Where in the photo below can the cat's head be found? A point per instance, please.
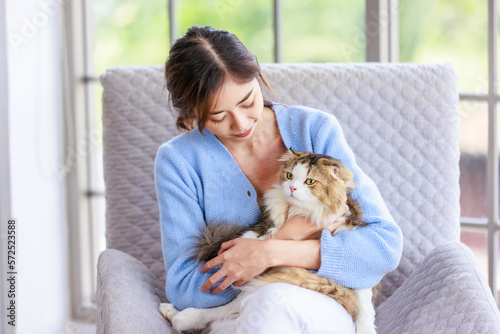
(315, 181)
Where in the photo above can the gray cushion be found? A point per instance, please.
(444, 294)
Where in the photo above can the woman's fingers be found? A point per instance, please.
(239, 283)
(332, 226)
(221, 287)
(212, 280)
(225, 246)
(211, 264)
(240, 260)
(345, 209)
(221, 273)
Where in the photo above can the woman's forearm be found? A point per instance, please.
(294, 253)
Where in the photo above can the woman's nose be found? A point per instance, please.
(239, 123)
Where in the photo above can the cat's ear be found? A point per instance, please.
(336, 171)
(344, 174)
(340, 171)
(289, 156)
(297, 154)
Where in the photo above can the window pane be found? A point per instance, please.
(477, 240)
(250, 21)
(498, 43)
(473, 147)
(442, 31)
(94, 139)
(98, 230)
(128, 32)
(323, 31)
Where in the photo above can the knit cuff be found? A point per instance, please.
(332, 256)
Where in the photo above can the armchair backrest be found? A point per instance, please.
(399, 119)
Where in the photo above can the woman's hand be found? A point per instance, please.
(241, 259)
(300, 228)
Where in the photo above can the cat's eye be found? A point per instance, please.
(289, 176)
(310, 182)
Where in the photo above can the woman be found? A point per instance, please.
(217, 171)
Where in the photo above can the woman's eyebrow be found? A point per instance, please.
(246, 97)
(243, 100)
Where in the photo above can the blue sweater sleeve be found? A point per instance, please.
(358, 258)
(178, 189)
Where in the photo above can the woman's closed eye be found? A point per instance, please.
(250, 105)
(217, 121)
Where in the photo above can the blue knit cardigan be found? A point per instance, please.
(197, 181)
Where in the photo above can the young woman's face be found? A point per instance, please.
(237, 110)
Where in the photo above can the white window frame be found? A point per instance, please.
(382, 45)
(79, 100)
(490, 225)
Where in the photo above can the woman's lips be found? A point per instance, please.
(246, 133)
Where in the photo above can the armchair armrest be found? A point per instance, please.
(446, 293)
(128, 296)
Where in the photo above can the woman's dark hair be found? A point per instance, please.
(198, 65)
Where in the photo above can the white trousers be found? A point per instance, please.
(283, 308)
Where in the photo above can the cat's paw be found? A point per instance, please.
(189, 319)
(168, 311)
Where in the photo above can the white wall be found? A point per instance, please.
(37, 201)
(5, 207)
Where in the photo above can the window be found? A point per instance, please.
(465, 33)
(126, 32)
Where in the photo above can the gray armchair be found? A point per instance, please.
(401, 122)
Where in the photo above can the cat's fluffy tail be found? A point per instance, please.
(214, 235)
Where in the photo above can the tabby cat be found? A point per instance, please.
(312, 185)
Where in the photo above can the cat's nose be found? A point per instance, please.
(292, 189)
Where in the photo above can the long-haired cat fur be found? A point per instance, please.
(315, 186)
